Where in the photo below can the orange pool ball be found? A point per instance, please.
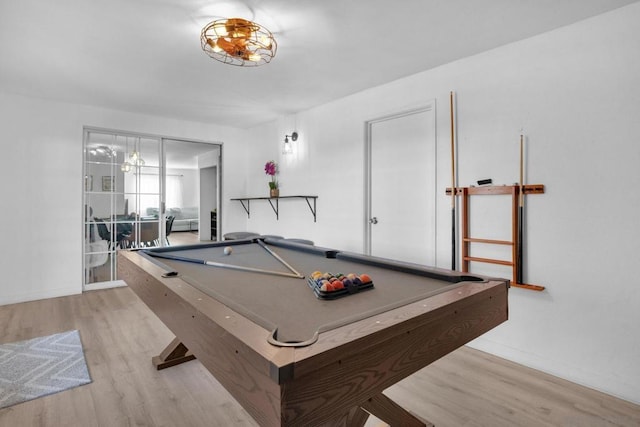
(327, 287)
(365, 278)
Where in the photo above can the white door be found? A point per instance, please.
(402, 186)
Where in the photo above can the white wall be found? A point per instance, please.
(41, 186)
(190, 182)
(575, 92)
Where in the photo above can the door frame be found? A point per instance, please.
(219, 174)
(428, 106)
(162, 194)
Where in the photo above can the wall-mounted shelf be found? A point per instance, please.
(246, 203)
(514, 190)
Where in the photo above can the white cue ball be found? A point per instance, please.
(228, 250)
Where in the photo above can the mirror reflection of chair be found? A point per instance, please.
(124, 233)
(103, 230)
(96, 248)
(169, 226)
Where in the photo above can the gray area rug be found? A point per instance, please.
(41, 366)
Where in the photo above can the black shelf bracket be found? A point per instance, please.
(276, 207)
(246, 207)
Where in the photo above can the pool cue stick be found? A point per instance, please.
(254, 270)
(519, 260)
(276, 256)
(221, 265)
(453, 187)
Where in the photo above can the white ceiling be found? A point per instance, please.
(144, 55)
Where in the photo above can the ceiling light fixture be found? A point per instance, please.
(236, 41)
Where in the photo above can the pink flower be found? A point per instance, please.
(271, 168)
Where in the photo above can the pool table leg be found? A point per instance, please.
(174, 354)
(356, 417)
(391, 413)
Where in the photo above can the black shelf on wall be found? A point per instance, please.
(275, 203)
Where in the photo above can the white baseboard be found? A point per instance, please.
(104, 285)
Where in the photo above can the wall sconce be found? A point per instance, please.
(287, 148)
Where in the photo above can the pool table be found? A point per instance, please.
(292, 358)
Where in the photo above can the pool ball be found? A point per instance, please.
(227, 250)
(326, 287)
(365, 278)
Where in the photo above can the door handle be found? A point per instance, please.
(373, 220)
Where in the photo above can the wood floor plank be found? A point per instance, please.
(120, 335)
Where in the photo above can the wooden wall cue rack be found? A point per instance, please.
(514, 190)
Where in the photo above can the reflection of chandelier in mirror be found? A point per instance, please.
(102, 150)
(236, 41)
(134, 158)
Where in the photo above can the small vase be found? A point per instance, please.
(274, 192)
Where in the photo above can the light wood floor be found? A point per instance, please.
(120, 335)
(185, 238)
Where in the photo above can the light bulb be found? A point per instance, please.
(214, 46)
(220, 28)
(266, 42)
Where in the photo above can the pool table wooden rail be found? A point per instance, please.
(327, 382)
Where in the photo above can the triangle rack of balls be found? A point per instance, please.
(331, 286)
